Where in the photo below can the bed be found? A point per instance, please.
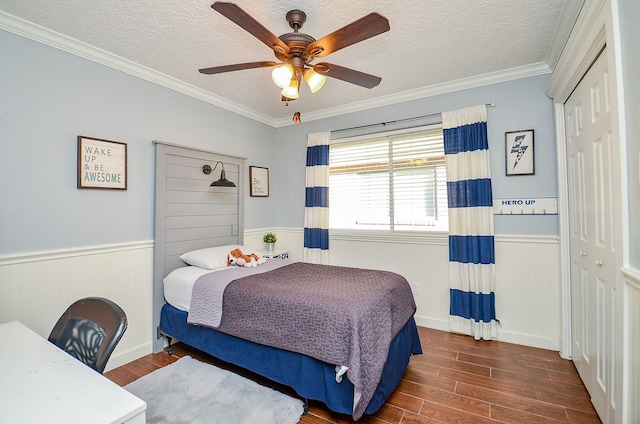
(190, 215)
(341, 336)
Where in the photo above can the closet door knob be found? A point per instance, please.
(599, 263)
(583, 253)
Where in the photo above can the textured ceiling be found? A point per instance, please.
(431, 42)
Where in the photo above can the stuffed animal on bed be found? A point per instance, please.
(236, 257)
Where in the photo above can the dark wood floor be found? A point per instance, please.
(456, 380)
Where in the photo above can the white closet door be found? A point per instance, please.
(596, 235)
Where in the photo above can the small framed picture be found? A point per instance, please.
(258, 181)
(102, 164)
(519, 153)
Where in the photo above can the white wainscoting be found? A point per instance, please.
(37, 287)
(631, 358)
(528, 290)
(527, 277)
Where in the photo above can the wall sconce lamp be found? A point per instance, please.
(222, 182)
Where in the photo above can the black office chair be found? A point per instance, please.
(89, 330)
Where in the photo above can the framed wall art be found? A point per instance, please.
(519, 153)
(258, 181)
(102, 164)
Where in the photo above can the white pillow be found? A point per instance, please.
(211, 257)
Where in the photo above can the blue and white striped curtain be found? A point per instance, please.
(471, 241)
(316, 205)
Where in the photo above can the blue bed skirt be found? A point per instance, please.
(310, 378)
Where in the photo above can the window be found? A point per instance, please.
(393, 182)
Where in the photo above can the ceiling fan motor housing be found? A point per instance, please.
(297, 41)
(296, 19)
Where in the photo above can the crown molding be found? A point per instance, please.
(505, 75)
(567, 21)
(62, 42)
(586, 41)
(67, 44)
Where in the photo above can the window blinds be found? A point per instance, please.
(395, 182)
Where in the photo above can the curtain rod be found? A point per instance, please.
(397, 121)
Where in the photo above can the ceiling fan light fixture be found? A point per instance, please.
(282, 75)
(314, 80)
(291, 91)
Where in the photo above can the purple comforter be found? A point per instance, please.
(343, 316)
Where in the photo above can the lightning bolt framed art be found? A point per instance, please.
(519, 153)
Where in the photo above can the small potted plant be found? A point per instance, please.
(270, 240)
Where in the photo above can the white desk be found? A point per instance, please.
(39, 383)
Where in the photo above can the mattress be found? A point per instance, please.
(178, 285)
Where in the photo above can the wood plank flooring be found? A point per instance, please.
(457, 380)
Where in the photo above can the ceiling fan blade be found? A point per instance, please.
(236, 67)
(348, 75)
(367, 27)
(246, 22)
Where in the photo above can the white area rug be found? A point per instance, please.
(193, 392)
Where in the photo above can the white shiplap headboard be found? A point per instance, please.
(189, 214)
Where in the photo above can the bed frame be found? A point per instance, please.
(182, 195)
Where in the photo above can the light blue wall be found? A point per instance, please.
(519, 105)
(630, 31)
(48, 98)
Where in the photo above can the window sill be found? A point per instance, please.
(435, 238)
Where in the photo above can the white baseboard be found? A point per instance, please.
(503, 336)
(528, 340)
(436, 324)
(121, 358)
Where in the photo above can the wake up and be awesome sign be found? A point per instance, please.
(102, 164)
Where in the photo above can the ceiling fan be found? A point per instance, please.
(296, 50)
